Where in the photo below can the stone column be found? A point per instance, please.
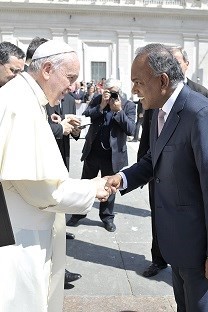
(124, 58)
(192, 49)
(137, 41)
(57, 33)
(202, 59)
(72, 38)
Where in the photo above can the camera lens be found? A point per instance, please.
(114, 95)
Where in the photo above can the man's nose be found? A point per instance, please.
(133, 90)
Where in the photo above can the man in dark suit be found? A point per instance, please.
(177, 162)
(63, 129)
(158, 262)
(105, 148)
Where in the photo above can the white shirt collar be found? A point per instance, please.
(170, 102)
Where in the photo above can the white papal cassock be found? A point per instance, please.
(38, 193)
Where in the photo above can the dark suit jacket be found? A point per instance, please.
(123, 125)
(78, 96)
(197, 87)
(178, 163)
(63, 141)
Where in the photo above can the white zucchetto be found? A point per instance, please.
(50, 48)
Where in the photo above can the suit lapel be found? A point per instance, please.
(157, 144)
(169, 127)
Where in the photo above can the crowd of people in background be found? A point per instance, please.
(84, 92)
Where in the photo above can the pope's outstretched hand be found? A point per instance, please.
(103, 190)
(114, 182)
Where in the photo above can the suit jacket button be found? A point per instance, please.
(157, 180)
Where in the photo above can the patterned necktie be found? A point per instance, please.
(161, 120)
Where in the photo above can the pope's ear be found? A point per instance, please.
(46, 70)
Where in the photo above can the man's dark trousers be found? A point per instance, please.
(192, 285)
(92, 164)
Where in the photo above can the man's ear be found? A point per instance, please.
(165, 81)
(46, 70)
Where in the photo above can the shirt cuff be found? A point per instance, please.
(125, 184)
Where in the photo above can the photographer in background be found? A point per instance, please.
(105, 149)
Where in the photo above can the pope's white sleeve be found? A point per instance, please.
(70, 196)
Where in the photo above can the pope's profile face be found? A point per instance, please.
(60, 79)
(10, 69)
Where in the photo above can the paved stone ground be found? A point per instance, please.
(111, 264)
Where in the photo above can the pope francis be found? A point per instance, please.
(35, 180)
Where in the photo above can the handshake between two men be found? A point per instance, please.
(107, 185)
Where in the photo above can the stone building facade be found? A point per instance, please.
(106, 33)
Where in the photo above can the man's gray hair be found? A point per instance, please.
(161, 60)
(111, 82)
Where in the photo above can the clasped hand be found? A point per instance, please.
(107, 185)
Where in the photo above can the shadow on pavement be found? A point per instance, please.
(128, 210)
(89, 252)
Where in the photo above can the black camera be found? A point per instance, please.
(114, 95)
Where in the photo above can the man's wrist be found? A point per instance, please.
(123, 183)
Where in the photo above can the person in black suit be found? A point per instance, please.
(158, 262)
(105, 148)
(177, 162)
(65, 128)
